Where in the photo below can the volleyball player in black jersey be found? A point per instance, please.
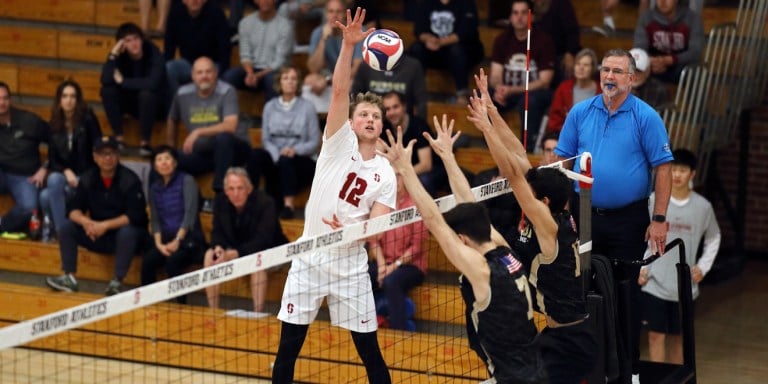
(493, 283)
(547, 244)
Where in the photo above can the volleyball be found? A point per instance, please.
(382, 49)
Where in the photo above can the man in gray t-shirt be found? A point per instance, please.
(208, 109)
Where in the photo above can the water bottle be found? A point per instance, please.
(34, 226)
(46, 231)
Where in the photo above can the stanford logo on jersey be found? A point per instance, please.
(376, 177)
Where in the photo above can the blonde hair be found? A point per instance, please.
(369, 98)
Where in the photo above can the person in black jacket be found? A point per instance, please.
(244, 222)
(197, 28)
(108, 214)
(133, 81)
(21, 171)
(74, 128)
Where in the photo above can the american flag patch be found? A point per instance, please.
(511, 263)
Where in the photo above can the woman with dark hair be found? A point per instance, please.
(175, 223)
(74, 128)
(290, 136)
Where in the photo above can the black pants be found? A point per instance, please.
(569, 353)
(395, 288)
(285, 178)
(144, 105)
(216, 154)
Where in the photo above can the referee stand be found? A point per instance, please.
(611, 319)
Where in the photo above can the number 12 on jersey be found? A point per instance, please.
(353, 188)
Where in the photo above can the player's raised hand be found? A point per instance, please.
(398, 155)
(478, 112)
(444, 139)
(481, 80)
(353, 33)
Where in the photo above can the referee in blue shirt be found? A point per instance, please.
(628, 143)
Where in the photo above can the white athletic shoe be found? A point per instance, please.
(636, 378)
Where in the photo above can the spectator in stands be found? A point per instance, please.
(244, 222)
(174, 221)
(548, 145)
(198, 28)
(558, 19)
(290, 137)
(74, 129)
(21, 170)
(133, 81)
(413, 129)
(399, 261)
(673, 36)
(209, 110)
(266, 43)
(447, 37)
(609, 26)
(508, 69)
(145, 7)
(407, 78)
(646, 87)
(580, 87)
(107, 214)
(324, 47)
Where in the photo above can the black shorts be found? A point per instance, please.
(660, 315)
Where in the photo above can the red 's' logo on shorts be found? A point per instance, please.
(289, 307)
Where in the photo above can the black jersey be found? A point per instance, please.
(501, 330)
(558, 285)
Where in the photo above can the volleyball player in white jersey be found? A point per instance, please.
(351, 184)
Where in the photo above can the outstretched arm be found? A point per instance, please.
(352, 33)
(509, 166)
(505, 134)
(442, 144)
(467, 260)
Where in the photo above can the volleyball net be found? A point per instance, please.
(142, 335)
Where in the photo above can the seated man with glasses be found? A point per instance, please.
(108, 214)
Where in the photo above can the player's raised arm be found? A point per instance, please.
(509, 166)
(505, 134)
(467, 260)
(352, 33)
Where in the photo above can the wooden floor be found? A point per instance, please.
(732, 329)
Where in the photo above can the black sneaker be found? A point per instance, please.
(113, 288)
(207, 206)
(63, 283)
(145, 150)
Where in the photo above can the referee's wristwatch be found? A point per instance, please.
(659, 218)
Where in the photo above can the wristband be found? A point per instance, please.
(659, 218)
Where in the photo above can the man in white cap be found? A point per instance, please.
(646, 87)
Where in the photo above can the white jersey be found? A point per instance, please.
(347, 186)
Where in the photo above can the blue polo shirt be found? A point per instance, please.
(625, 148)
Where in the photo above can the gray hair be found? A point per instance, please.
(241, 172)
(622, 53)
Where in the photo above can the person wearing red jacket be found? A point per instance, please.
(571, 91)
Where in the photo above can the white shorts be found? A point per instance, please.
(342, 279)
